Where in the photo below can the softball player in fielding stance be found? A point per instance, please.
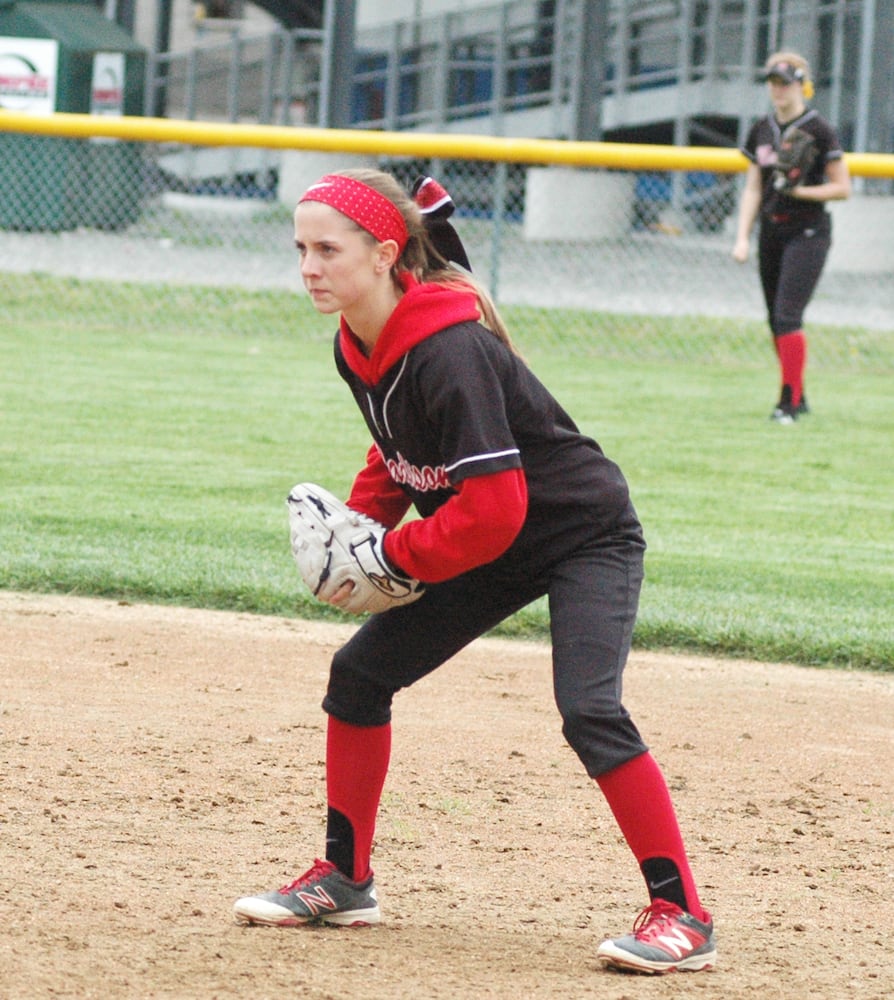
(795, 228)
(515, 503)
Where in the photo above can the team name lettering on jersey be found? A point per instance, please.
(425, 479)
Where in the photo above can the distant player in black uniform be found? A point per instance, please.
(795, 228)
(515, 504)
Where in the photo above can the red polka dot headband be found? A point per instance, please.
(362, 204)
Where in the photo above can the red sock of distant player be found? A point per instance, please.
(792, 351)
(640, 801)
(357, 759)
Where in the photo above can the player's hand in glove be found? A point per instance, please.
(796, 157)
(340, 555)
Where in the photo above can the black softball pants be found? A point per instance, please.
(791, 261)
(593, 595)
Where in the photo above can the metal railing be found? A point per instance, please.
(267, 78)
(681, 73)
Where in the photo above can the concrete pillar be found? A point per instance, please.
(861, 235)
(299, 169)
(564, 203)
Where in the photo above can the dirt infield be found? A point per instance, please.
(158, 763)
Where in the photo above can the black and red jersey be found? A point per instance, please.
(762, 148)
(465, 432)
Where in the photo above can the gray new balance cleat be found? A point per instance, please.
(664, 939)
(321, 894)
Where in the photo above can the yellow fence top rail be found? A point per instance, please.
(616, 155)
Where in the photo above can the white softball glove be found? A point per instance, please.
(333, 545)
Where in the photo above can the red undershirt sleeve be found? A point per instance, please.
(376, 494)
(474, 527)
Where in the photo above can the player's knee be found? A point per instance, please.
(355, 698)
(601, 741)
(783, 323)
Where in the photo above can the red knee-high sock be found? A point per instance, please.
(792, 351)
(357, 759)
(640, 801)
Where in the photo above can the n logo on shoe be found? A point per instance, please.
(675, 942)
(317, 900)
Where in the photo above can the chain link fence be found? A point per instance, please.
(620, 263)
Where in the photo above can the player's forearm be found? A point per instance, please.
(748, 209)
(472, 528)
(836, 185)
(375, 493)
(829, 191)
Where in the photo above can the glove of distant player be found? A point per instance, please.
(797, 155)
(334, 545)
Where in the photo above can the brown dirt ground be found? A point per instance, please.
(158, 763)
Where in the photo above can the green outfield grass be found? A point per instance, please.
(148, 458)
